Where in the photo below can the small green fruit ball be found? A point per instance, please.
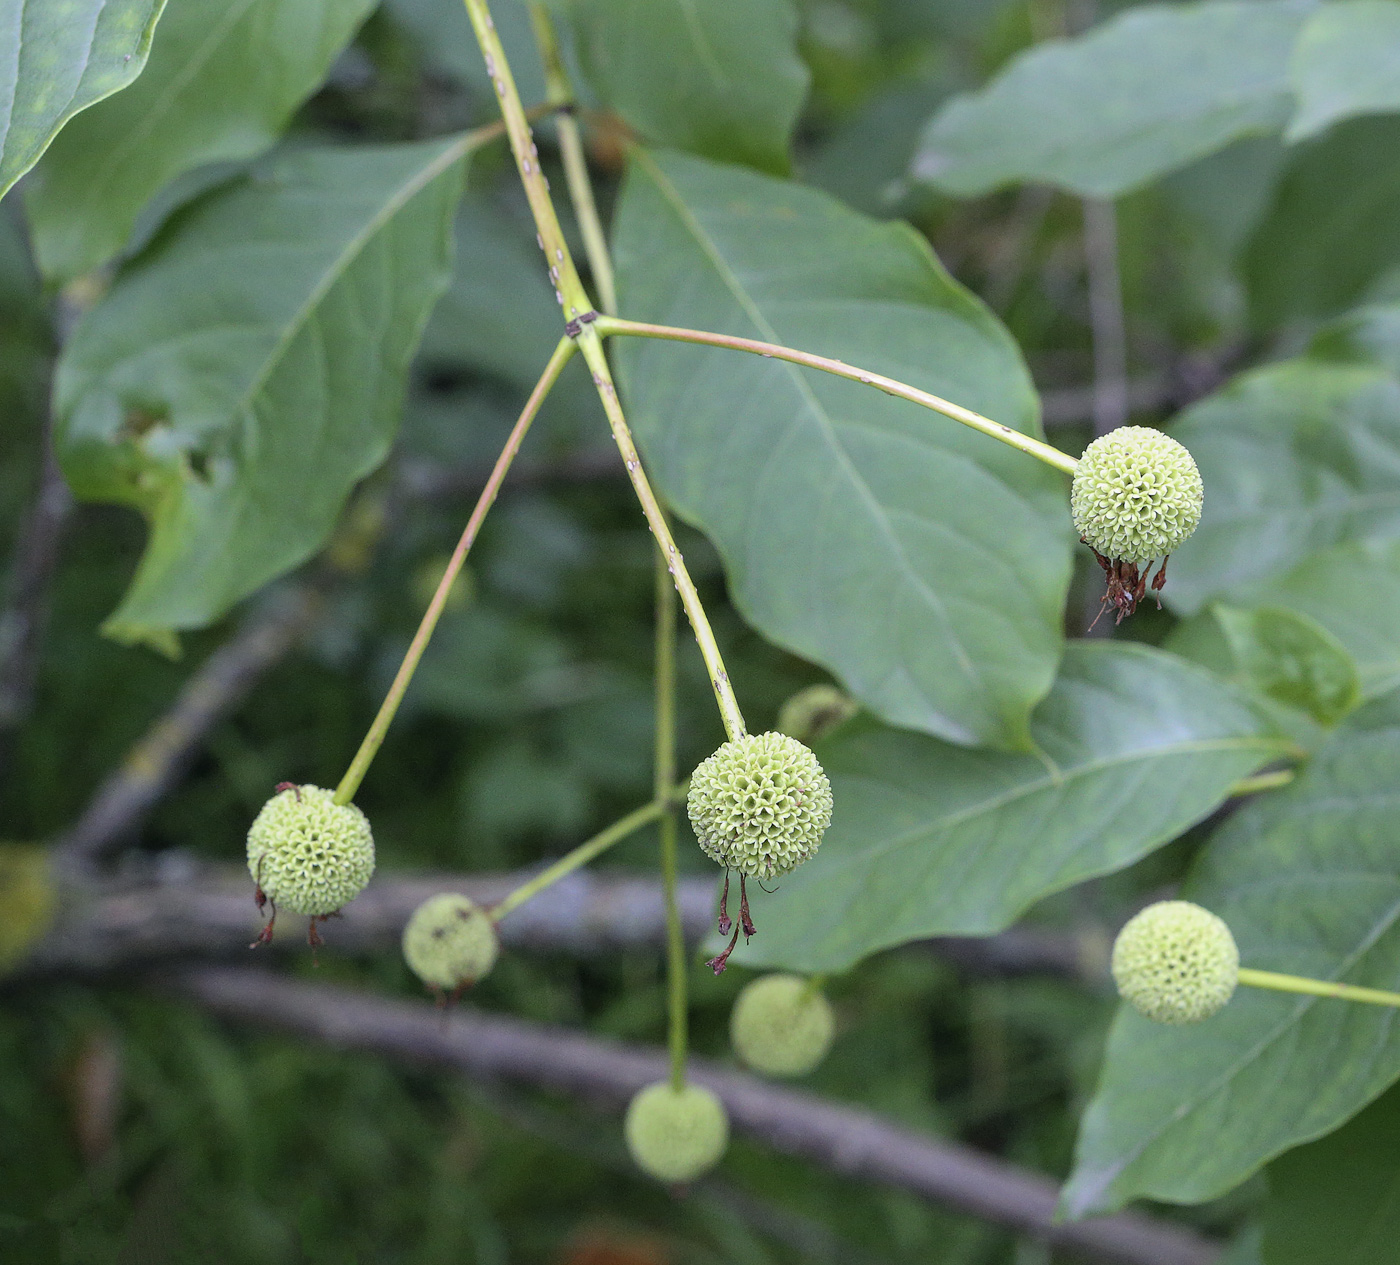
(760, 804)
(450, 942)
(309, 854)
(1136, 496)
(812, 713)
(676, 1135)
(781, 1025)
(1175, 962)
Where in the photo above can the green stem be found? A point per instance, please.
(1316, 987)
(567, 286)
(559, 93)
(592, 347)
(1263, 782)
(576, 304)
(585, 852)
(616, 326)
(374, 739)
(665, 774)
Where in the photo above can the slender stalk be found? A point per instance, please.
(616, 326)
(369, 748)
(1263, 782)
(586, 851)
(592, 347)
(665, 774)
(573, 298)
(1316, 987)
(576, 305)
(559, 93)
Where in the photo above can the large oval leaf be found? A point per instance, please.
(928, 839)
(1345, 63)
(223, 78)
(721, 78)
(924, 563)
(1295, 457)
(66, 54)
(1309, 880)
(239, 379)
(1147, 92)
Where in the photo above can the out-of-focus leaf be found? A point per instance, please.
(722, 79)
(1332, 230)
(1292, 659)
(245, 373)
(444, 34)
(1346, 62)
(1295, 457)
(927, 839)
(830, 501)
(1147, 92)
(222, 80)
(64, 55)
(1308, 879)
(499, 314)
(1370, 335)
(1338, 1199)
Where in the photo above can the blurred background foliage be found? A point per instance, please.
(137, 1130)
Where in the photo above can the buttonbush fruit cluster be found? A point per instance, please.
(309, 854)
(1137, 495)
(760, 804)
(676, 1135)
(450, 942)
(781, 1025)
(1176, 962)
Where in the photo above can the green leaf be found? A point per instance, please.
(928, 839)
(223, 79)
(246, 372)
(499, 315)
(1352, 591)
(1292, 659)
(1338, 1199)
(1369, 335)
(1308, 879)
(1295, 457)
(1345, 64)
(1135, 98)
(722, 78)
(66, 55)
(1332, 231)
(924, 563)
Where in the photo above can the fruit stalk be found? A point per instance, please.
(1316, 987)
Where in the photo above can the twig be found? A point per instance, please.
(27, 592)
(151, 767)
(846, 1139)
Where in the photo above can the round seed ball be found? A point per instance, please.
(1136, 495)
(1175, 962)
(781, 1025)
(309, 854)
(450, 941)
(812, 713)
(676, 1135)
(760, 804)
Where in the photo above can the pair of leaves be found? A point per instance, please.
(928, 839)
(238, 380)
(223, 78)
(1309, 881)
(68, 54)
(924, 563)
(1161, 86)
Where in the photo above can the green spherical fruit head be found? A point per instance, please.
(450, 942)
(781, 1025)
(676, 1135)
(1136, 496)
(1175, 962)
(309, 854)
(760, 804)
(812, 713)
